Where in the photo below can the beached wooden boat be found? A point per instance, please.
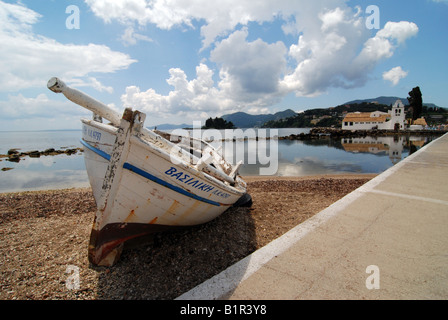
(145, 181)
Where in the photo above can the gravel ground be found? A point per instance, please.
(44, 239)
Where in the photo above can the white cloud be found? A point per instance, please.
(130, 37)
(28, 60)
(195, 96)
(399, 31)
(331, 19)
(221, 17)
(325, 52)
(384, 43)
(21, 107)
(394, 75)
(16, 18)
(251, 68)
(91, 82)
(258, 110)
(249, 77)
(329, 57)
(334, 49)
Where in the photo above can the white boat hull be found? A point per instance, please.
(144, 183)
(153, 194)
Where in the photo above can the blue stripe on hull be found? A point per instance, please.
(97, 151)
(149, 176)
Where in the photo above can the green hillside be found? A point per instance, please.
(333, 116)
(245, 120)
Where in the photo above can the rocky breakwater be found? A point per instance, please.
(14, 155)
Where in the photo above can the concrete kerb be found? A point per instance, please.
(223, 284)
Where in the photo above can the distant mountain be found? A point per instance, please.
(168, 126)
(390, 101)
(239, 119)
(380, 100)
(245, 120)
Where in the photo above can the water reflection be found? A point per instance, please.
(324, 156)
(277, 157)
(50, 172)
(391, 146)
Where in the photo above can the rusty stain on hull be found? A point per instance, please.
(153, 220)
(172, 209)
(131, 216)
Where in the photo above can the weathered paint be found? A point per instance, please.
(186, 215)
(172, 209)
(127, 166)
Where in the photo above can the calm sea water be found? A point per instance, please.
(46, 172)
(277, 157)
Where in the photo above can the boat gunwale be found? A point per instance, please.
(239, 188)
(106, 127)
(204, 175)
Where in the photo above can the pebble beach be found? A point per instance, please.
(45, 234)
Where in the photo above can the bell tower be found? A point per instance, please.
(398, 116)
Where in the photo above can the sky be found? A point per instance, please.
(181, 61)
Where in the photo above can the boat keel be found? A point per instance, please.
(106, 245)
(103, 257)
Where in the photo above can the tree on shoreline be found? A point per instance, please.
(218, 123)
(415, 103)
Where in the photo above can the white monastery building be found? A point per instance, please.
(392, 120)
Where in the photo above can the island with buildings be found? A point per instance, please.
(394, 119)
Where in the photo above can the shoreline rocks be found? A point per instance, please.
(14, 155)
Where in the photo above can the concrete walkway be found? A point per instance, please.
(386, 240)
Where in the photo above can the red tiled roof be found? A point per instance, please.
(364, 117)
